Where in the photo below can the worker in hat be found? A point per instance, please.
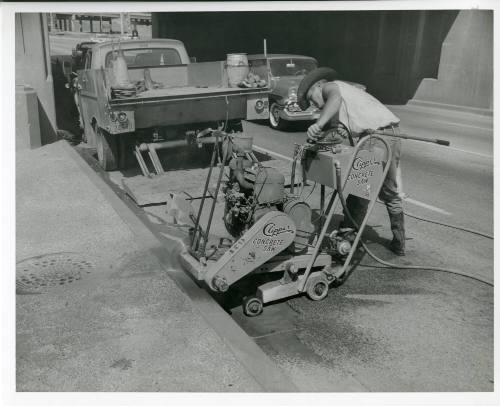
(135, 33)
(354, 113)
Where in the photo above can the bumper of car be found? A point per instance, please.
(310, 114)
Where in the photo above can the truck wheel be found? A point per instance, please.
(275, 121)
(124, 150)
(107, 151)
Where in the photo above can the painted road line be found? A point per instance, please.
(427, 206)
(272, 153)
(393, 298)
(471, 152)
(457, 150)
(462, 125)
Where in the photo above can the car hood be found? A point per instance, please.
(284, 83)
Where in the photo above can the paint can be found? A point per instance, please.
(237, 68)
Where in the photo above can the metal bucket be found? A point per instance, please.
(237, 68)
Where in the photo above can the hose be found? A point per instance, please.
(426, 268)
(468, 230)
(391, 265)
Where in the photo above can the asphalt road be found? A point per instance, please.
(62, 44)
(402, 330)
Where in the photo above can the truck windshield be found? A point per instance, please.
(147, 57)
(292, 66)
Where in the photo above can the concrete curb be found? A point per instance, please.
(245, 350)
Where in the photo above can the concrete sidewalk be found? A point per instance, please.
(112, 318)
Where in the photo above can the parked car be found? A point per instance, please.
(284, 73)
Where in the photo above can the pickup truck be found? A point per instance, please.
(182, 98)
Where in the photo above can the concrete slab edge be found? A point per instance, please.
(263, 370)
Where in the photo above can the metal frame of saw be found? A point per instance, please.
(317, 264)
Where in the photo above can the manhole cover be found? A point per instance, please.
(38, 274)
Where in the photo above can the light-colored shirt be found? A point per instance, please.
(360, 111)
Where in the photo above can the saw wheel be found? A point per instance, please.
(317, 286)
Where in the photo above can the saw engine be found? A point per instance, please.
(254, 190)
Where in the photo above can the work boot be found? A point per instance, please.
(397, 244)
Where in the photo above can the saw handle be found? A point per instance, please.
(446, 143)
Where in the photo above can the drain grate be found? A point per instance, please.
(41, 273)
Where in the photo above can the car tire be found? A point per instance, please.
(107, 150)
(275, 121)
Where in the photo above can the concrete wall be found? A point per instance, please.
(391, 52)
(33, 71)
(27, 118)
(465, 76)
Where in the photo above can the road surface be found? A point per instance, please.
(403, 330)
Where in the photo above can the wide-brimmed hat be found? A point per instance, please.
(310, 79)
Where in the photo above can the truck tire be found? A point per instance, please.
(275, 121)
(107, 151)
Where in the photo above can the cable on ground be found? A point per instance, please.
(396, 266)
(468, 230)
(426, 268)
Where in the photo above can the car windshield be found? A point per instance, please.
(292, 66)
(147, 57)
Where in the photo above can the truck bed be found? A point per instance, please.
(187, 92)
(191, 104)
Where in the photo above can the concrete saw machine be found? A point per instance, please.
(274, 228)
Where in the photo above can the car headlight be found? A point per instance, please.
(122, 117)
(260, 106)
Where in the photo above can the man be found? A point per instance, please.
(359, 113)
(135, 33)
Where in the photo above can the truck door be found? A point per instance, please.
(87, 98)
